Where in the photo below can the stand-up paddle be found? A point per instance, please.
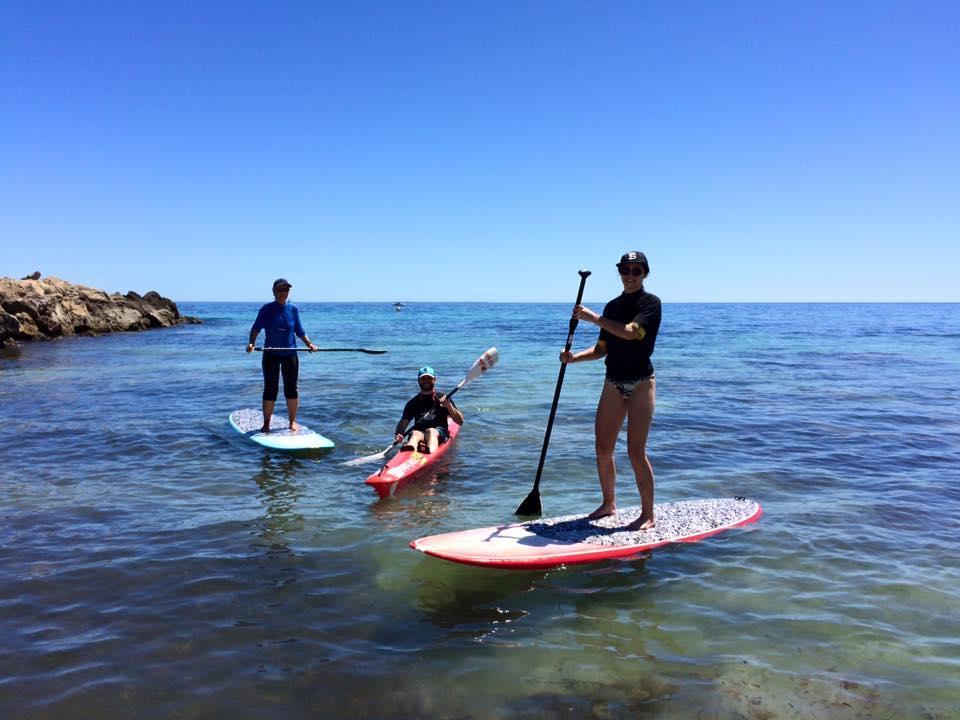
(300, 349)
(531, 504)
(483, 363)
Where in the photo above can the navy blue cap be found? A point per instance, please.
(635, 257)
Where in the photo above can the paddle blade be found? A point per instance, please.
(364, 460)
(483, 363)
(369, 458)
(531, 504)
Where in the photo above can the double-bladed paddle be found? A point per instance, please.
(301, 349)
(483, 363)
(531, 504)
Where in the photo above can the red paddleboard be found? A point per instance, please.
(573, 539)
(405, 466)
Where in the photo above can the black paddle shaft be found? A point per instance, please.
(534, 498)
(432, 412)
(300, 349)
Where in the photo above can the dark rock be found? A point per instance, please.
(157, 300)
(17, 305)
(34, 309)
(9, 328)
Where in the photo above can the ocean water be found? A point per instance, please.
(154, 564)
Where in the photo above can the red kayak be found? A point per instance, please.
(406, 465)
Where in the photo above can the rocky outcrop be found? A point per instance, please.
(43, 309)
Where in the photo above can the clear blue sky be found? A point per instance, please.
(756, 151)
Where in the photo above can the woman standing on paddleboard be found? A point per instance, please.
(628, 333)
(281, 321)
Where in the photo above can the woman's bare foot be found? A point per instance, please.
(265, 429)
(642, 523)
(602, 512)
(294, 426)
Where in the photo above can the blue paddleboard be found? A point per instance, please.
(248, 423)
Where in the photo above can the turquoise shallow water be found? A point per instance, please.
(156, 565)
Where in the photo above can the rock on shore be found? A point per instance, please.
(43, 309)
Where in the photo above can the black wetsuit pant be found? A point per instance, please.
(273, 366)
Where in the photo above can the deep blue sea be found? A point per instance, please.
(155, 564)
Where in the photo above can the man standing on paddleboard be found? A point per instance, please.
(628, 333)
(429, 411)
(281, 321)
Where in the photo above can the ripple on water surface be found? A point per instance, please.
(154, 561)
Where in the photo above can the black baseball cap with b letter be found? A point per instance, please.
(635, 257)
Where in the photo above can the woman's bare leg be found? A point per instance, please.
(267, 414)
(640, 416)
(293, 405)
(611, 411)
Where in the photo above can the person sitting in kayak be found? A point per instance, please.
(429, 412)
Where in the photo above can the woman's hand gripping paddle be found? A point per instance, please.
(483, 363)
(531, 504)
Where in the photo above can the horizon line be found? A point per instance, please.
(557, 302)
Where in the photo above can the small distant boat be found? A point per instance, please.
(397, 306)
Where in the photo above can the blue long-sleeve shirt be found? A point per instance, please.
(282, 326)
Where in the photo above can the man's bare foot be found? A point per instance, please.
(602, 512)
(265, 429)
(294, 426)
(642, 523)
